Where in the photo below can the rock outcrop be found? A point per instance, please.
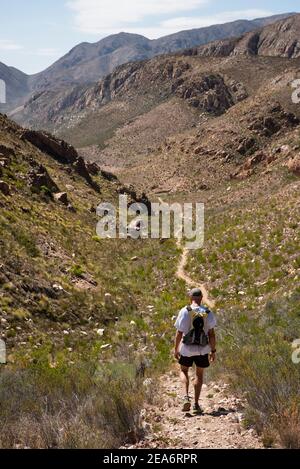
(39, 178)
(58, 149)
(209, 92)
(281, 39)
(4, 188)
(61, 151)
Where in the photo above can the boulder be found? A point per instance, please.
(109, 176)
(4, 188)
(6, 151)
(4, 161)
(93, 168)
(71, 208)
(62, 197)
(40, 178)
(294, 165)
(134, 197)
(81, 168)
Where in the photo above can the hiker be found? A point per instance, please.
(195, 342)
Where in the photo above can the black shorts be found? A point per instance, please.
(201, 361)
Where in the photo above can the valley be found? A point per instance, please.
(88, 322)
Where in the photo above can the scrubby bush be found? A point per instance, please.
(69, 405)
(257, 354)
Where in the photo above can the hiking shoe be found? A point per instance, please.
(186, 404)
(197, 409)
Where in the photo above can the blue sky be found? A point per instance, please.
(35, 33)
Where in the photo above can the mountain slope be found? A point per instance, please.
(71, 304)
(86, 63)
(149, 83)
(52, 274)
(186, 39)
(17, 85)
(281, 39)
(89, 62)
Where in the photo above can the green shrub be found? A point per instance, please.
(77, 270)
(69, 405)
(257, 354)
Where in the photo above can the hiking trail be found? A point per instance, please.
(220, 425)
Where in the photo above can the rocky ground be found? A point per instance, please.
(220, 426)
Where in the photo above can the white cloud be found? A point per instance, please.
(180, 23)
(106, 16)
(6, 44)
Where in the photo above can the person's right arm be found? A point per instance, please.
(178, 339)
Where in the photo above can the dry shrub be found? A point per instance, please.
(72, 406)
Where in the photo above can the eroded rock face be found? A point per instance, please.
(63, 152)
(209, 92)
(39, 178)
(93, 168)
(134, 197)
(58, 149)
(273, 121)
(281, 39)
(82, 169)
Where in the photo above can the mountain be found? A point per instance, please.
(197, 82)
(17, 85)
(281, 39)
(185, 39)
(87, 63)
(84, 318)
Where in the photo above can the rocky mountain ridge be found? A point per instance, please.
(87, 63)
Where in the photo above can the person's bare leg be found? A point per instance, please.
(184, 376)
(198, 383)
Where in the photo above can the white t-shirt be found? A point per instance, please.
(183, 324)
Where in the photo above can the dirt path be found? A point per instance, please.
(181, 274)
(220, 425)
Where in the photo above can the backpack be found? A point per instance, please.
(197, 336)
